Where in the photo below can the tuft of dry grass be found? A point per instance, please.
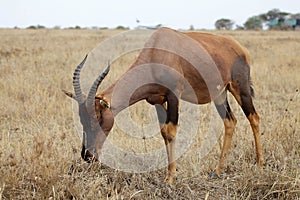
(40, 149)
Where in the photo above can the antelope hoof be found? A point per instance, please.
(170, 181)
(214, 176)
(260, 164)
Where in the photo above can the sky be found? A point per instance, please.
(202, 14)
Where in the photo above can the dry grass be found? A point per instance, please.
(38, 143)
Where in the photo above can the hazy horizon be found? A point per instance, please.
(175, 14)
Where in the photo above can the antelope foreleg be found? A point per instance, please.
(168, 132)
(229, 125)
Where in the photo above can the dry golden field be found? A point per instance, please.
(39, 142)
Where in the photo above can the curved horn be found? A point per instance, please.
(91, 97)
(76, 82)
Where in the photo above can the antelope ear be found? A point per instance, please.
(69, 94)
(103, 102)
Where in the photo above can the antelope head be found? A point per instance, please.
(95, 115)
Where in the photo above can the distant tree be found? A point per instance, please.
(158, 26)
(74, 27)
(56, 27)
(272, 15)
(239, 27)
(191, 28)
(121, 28)
(295, 16)
(224, 24)
(253, 23)
(36, 27)
(40, 26)
(275, 19)
(31, 27)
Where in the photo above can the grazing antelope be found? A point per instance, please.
(192, 66)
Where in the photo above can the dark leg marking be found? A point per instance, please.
(161, 113)
(224, 110)
(172, 111)
(247, 104)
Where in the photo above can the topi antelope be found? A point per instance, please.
(192, 66)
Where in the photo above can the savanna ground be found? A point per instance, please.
(39, 142)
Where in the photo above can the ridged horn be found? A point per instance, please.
(76, 82)
(91, 97)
